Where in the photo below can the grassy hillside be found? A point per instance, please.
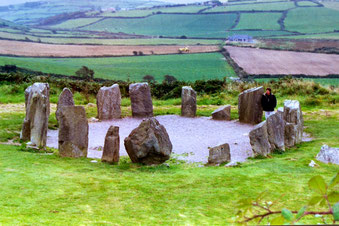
(187, 67)
(265, 21)
(169, 25)
(257, 7)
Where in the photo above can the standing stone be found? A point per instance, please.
(294, 123)
(149, 143)
(249, 106)
(73, 132)
(141, 100)
(108, 103)
(188, 102)
(112, 146)
(35, 125)
(259, 140)
(222, 113)
(219, 154)
(65, 99)
(276, 131)
(328, 155)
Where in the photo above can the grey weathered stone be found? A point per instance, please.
(249, 106)
(280, 112)
(112, 146)
(35, 125)
(294, 123)
(108, 102)
(141, 100)
(259, 139)
(73, 132)
(328, 155)
(149, 143)
(276, 131)
(188, 102)
(65, 99)
(219, 154)
(222, 113)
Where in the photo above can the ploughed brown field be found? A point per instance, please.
(17, 48)
(274, 62)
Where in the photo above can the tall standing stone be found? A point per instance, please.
(141, 100)
(249, 106)
(73, 132)
(65, 99)
(108, 102)
(276, 131)
(35, 125)
(259, 140)
(149, 143)
(294, 123)
(188, 102)
(111, 146)
(222, 113)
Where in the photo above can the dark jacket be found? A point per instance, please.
(268, 102)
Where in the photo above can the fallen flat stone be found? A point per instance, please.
(149, 143)
(249, 106)
(141, 100)
(188, 102)
(222, 113)
(65, 99)
(328, 155)
(35, 125)
(112, 146)
(108, 102)
(220, 154)
(259, 140)
(73, 132)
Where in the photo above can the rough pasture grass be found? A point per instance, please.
(306, 3)
(186, 67)
(265, 21)
(74, 23)
(170, 25)
(334, 35)
(312, 20)
(249, 7)
(263, 34)
(46, 189)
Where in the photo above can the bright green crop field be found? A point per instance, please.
(69, 24)
(202, 25)
(265, 21)
(257, 7)
(187, 67)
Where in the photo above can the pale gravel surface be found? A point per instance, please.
(190, 136)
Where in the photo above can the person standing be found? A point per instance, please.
(268, 102)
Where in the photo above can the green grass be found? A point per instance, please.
(316, 36)
(323, 81)
(312, 20)
(306, 3)
(74, 23)
(262, 34)
(331, 5)
(170, 25)
(46, 189)
(187, 67)
(265, 21)
(257, 7)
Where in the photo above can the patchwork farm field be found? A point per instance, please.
(270, 62)
(17, 48)
(186, 67)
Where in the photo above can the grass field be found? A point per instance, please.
(69, 24)
(323, 81)
(334, 35)
(261, 34)
(256, 7)
(312, 20)
(306, 3)
(187, 67)
(265, 21)
(169, 25)
(331, 5)
(39, 188)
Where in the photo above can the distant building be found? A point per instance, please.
(240, 38)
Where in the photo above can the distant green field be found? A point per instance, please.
(312, 20)
(209, 25)
(334, 35)
(265, 21)
(187, 67)
(306, 3)
(258, 6)
(261, 34)
(69, 24)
